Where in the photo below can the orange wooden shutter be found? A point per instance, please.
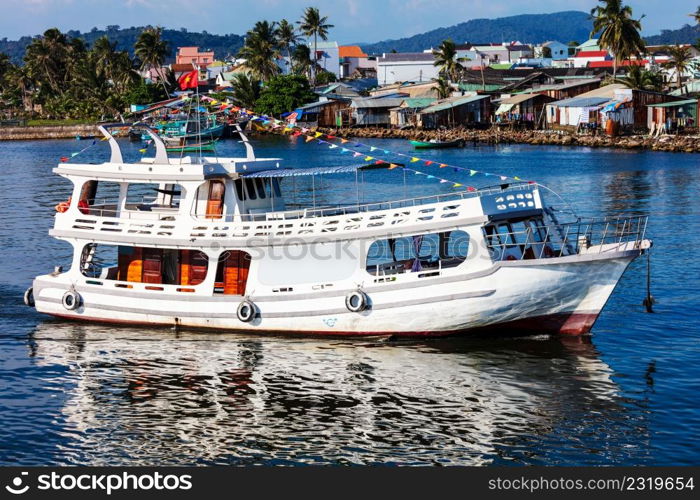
(215, 202)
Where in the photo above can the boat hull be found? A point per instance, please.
(558, 295)
(437, 145)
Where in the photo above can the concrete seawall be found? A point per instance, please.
(46, 132)
(682, 143)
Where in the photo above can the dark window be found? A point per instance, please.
(250, 188)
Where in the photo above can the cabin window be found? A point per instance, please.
(260, 187)
(149, 196)
(417, 253)
(232, 272)
(240, 192)
(518, 239)
(155, 266)
(250, 189)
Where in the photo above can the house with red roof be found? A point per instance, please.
(584, 57)
(352, 59)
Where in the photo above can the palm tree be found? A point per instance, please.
(301, 60)
(152, 50)
(286, 37)
(246, 90)
(679, 59)
(619, 33)
(696, 15)
(46, 59)
(443, 88)
(448, 62)
(103, 53)
(312, 24)
(261, 50)
(20, 78)
(639, 78)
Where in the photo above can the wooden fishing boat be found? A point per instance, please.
(191, 147)
(458, 143)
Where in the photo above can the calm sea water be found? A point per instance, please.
(628, 394)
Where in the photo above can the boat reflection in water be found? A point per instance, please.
(164, 397)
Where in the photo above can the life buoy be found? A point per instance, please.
(71, 300)
(246, 311)
(356, 301)
(63, 206)
(83, 207)
(29, 297)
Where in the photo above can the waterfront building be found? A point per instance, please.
(192, 55)
(374, 111)
(328, 56)
(471, 111)
(406, 67)
(353, 59)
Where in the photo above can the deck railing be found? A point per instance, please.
(558, 240)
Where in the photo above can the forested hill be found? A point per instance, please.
(528, 28)
(686, 34)
(222, 45)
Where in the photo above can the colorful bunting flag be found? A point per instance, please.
(414, 159)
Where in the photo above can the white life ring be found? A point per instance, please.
(29, 297)
(246, 311)
(71, 300)
(356, 301)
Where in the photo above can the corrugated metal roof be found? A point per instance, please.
(296, 172)
(407, 56)
(419, 102)
(313, 105)
(581, 102)
(379, 102)
(517, 99)
(453, 103)
(673, 104)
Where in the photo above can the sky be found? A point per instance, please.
(354, 20)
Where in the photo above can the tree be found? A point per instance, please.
(696, 15)
(152, 50)
(246, 90)
(443, 88)
(312, 24)
(286, 38)
(448, 62)
(301, 60)
(679, 60)
(261, 50)
(619, 33)
(325, 77)
(284, 93)
(642, 79)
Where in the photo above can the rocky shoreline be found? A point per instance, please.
(46, 132)
(673, 143)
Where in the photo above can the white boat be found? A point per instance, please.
(217, 247)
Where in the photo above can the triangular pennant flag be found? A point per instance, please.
(392, 166)
(456, 185)
(318, 134)
(332, 146)
(304, 129)
(443, 165)
(471, 189)
(330, 136)
(517, 178)
(143, 150)
(387, 152)
(356, 154)
(503, 178)
(368, 158)
(64, 159)
(379, 162)
(309, 138)
(343, 141)
(372, 148)
(443, 181)
(414, 159)
(73, 155)
(320, 141)
(472, 172)
(429, 162)
(344, 150)
(431, 177)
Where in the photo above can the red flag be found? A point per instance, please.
(189, 80)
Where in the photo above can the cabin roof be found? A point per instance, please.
(453, 102)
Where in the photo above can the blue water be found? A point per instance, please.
(628, 394)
